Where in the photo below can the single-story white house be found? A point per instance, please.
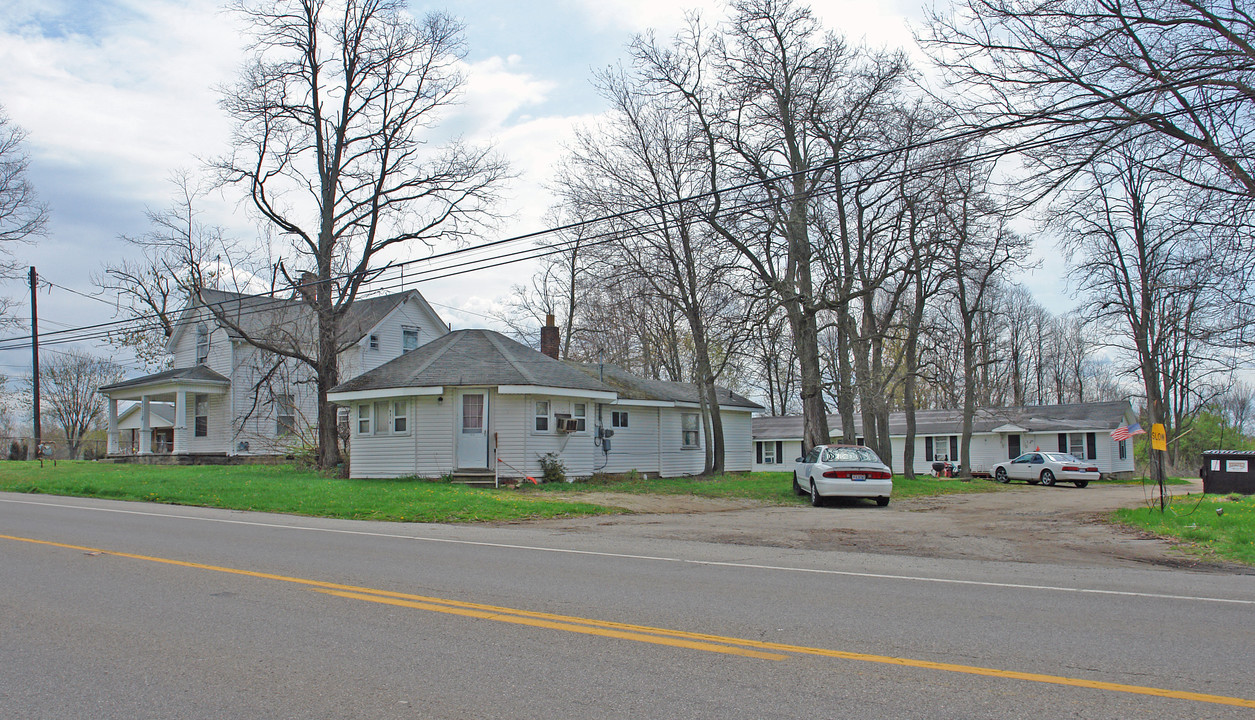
(475, 402)
(1082, 429)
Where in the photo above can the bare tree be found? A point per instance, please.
(178, 252)
(1147, 262)
(638, 167)
(1081, 72)
(68, 384)
(979, 249)
(330, 148)
(22, 216)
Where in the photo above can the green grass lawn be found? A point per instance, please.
(768, 487)
(284, 489)
(1195, 522)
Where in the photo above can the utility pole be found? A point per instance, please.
(35, 365)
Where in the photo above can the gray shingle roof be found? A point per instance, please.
(472, 357)
(634, 387)
(261, 316)
(1033, 418)
(200, 373)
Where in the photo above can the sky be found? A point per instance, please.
(115, 95)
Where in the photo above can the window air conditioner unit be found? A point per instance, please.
(568, 425)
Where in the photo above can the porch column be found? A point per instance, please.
(111, 439)
(180, 422)
(145, 429)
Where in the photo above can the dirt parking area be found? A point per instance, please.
(1062, 525)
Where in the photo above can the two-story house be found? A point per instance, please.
(229, 397)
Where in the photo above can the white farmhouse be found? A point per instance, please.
(230, 398)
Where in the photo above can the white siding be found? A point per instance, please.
(675, 459)
(738, 445)
(634, 447)
(791, 450)
(407, 315)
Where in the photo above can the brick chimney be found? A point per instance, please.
(549, 338)
(308, 289)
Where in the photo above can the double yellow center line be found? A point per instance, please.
(642, 633)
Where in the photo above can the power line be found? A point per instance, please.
(103, 331)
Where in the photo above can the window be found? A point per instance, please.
(580, 412)
(285, 415)
(768, 452)
(409, 339)
(400, 419)
(374, 342)
(1076, 445)
(473, 413)
(201, 415)
(363, 419)
(542, 416)
(619, 418)
(202, 344)
(1124, 449)
(689, 430)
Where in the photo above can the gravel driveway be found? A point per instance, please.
(1061, 525)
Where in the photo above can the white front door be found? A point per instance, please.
(472, 429)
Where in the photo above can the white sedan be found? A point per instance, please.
(1046, 468)
(842, 471)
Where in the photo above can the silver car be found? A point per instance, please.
(1046, 468)
(842, 471)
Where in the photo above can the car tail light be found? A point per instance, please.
(866, 474)
(1070, 468)
(1091, 469)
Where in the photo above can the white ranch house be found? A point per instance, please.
(476, 403)
(229, 398)
(1082, 429)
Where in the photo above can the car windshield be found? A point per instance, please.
(850, 455)
(1060, 457)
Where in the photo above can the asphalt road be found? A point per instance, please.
(120, 610)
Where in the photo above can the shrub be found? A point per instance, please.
(551, 468)
(17, 451)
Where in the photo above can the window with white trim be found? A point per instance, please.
(202, 344)
(285, 415)
(373, 342)
(768, 449)
(1124, 449)
(579, 411)
(409, 339)
(363, 419)
(619, 418)
(400, 417)
(542, 416)
(1076, 445)
(690, 430)
(200, 413)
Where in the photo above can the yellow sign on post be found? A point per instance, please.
(1158, 437)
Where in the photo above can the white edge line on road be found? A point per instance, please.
(654, 558)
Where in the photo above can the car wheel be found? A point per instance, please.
(1047, 478)
(1001, 476)
(882, 501)
(1081, 483)
(816, 499)
(797, 487)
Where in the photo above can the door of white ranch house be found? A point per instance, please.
(472, 429)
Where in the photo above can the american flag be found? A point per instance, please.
(1124, 432)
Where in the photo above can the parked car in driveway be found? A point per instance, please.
(1046, 468)
(842, 471)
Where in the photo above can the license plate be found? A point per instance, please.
(858, 477)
